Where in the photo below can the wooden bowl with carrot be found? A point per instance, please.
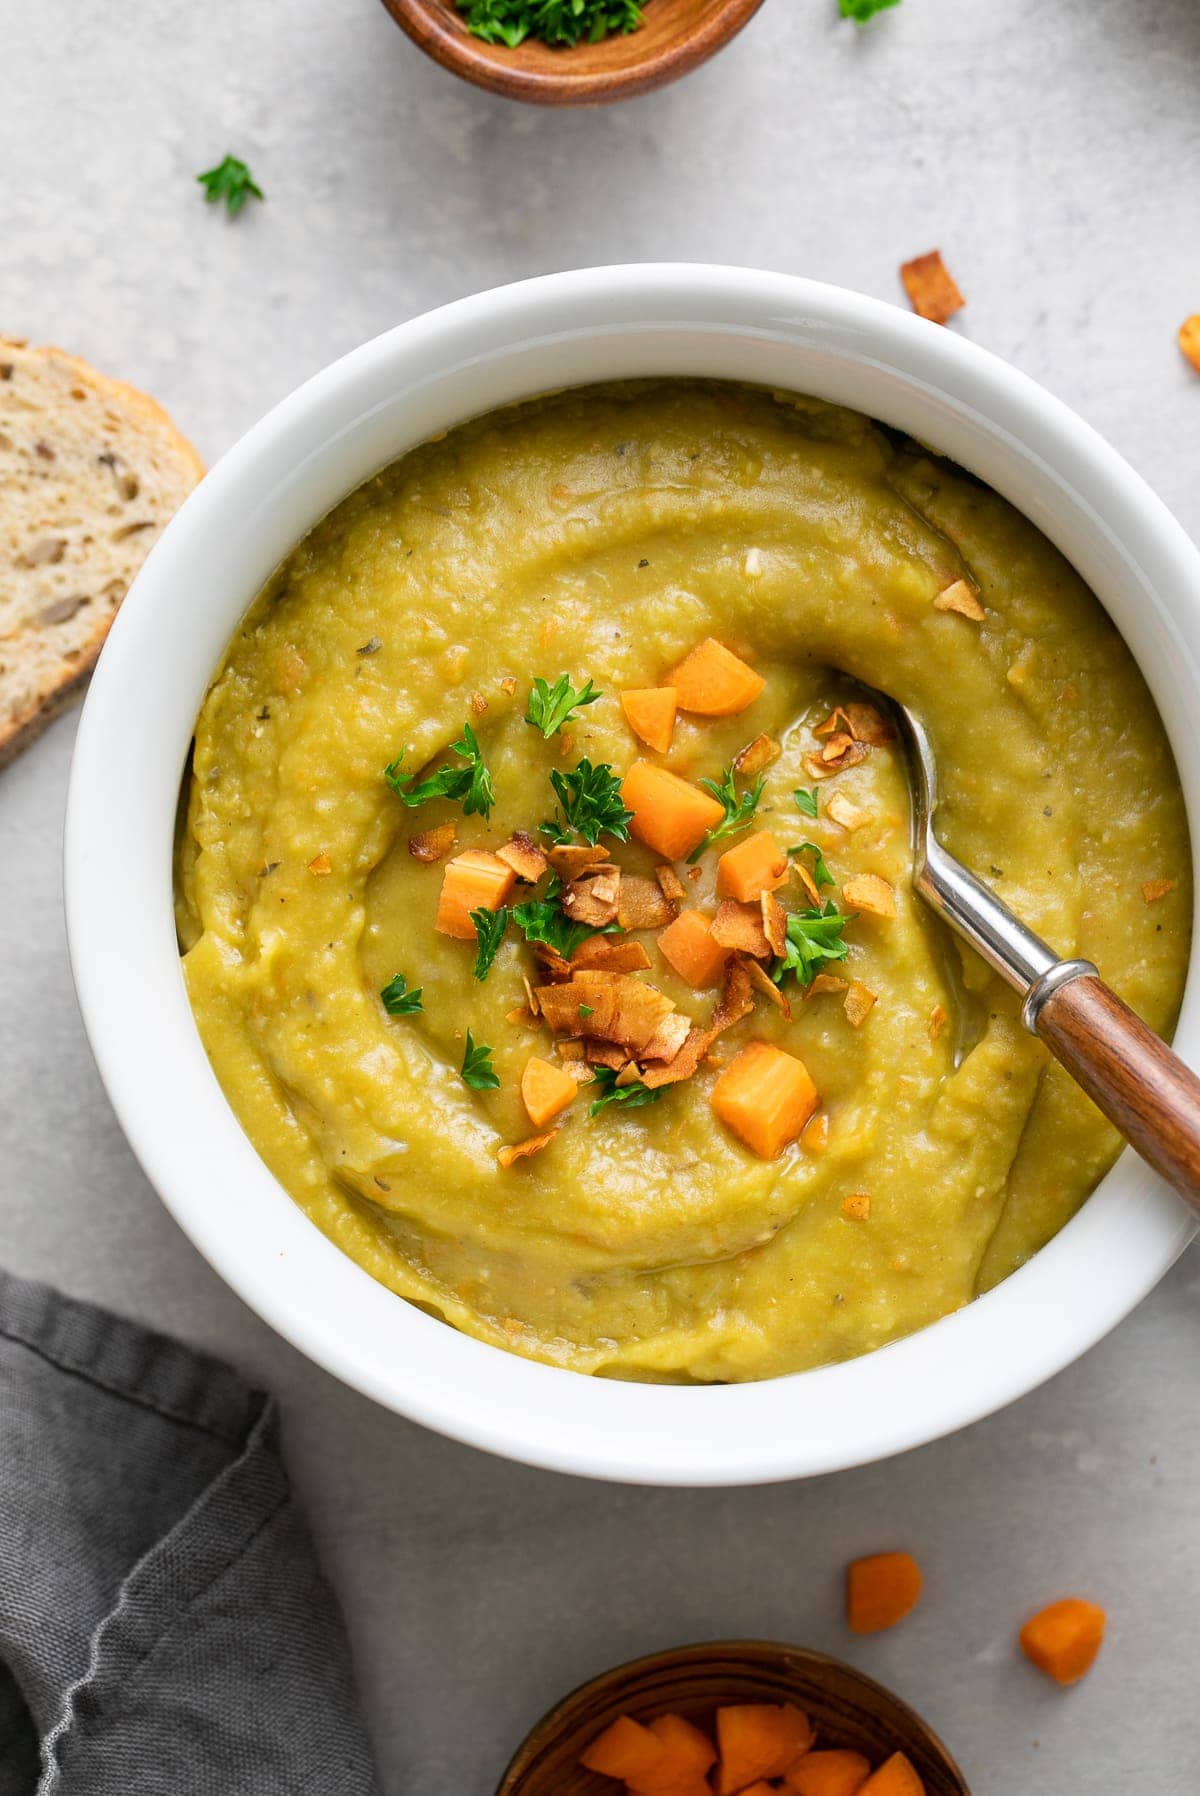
(642, 44)
(735, 1718)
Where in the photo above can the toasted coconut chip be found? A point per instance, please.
(858, 1004)
(432, 844)
(509, 684)
(641, 904)
(827, 982)
(812, 891)
(320, 864)
(774, 922)
(739, 926)
(695, 872)
(762, 982)
(524, 856)
(837, 720)
(868, 724)
(844, 811)
(671, 887)
(620, 1008)
(1189, 340)
(856, 1207)
(628, 1075)
(932, 291)
(866, 891)
(521, 1150)
(478, 703)
(573, 860)
(939, 1016)
(594, 899)
(529, 997)
(685, 1062)
(838, 746)
(961, 598)
(605, 1053)
(551, 961)
(600, 953)
(736, 1000)
(756, 755)
(572, 1051)
(523, 1016)
(668, 1039)
(834, 759)
(1154, 889)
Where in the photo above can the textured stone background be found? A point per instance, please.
(1052, 150)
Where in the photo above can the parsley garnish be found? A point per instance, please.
(820, 867)
(612, 1093)
(862, 10)
(232, 182)
(739, 812)
(587, 1010)
(806, 801)
(591, 804)
(814, 937)
(472, 784)
(397, 1000)
(543, 920)
(550, 707)
(489, 933)
(477, 1069)
(566, 22)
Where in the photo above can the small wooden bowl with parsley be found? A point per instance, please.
(571, 52)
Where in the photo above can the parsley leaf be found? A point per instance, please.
(862, 10)
(806, 801)
(813, 937)
(550, 707)
(397, 1000)
(590, 798)
(232, 182)
(543, 920)
(566, 22)
(820, 867)
(471, 784)
(489, 933)
(629, 1095)
(739, 812)
(477, 1069)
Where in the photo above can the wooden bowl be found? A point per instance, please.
(677, 35)
(847, 1709)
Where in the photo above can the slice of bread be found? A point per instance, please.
(90, 472)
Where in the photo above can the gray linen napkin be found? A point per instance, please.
(165, 1629)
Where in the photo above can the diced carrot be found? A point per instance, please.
(715, 682)
(757, 1741)
(688, 947)
(626, 1750)
(882, 1588)
(545, 1090)
(670, 815)
(765, 1096)
(895, 1777)
(474, 880)
(834, 1773)
(752, 867)
(650, 714)
(688, 1746)
(761, 1788)
(1063, 1639)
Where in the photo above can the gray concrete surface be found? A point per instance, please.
(1053, 152)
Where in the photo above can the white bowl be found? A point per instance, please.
(257, 503)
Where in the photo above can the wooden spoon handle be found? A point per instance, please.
(1129, 1074)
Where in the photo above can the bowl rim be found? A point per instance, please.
(261, 498)
(582, 82)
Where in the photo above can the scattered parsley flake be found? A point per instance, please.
(471, 785)
(739, 812)
(550, 707)
(807, 801)
(490, 926)
(477, 1069)
(612, 1093)
(820, 867)
(544, 920)
(813, 938)
(561, 22)
(587, 1010)
(397, 1000)
(862, 10)
(232, 182)
(591, 804)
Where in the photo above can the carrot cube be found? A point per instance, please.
(474, 880)
(834, 1773)
(1063, 1639)
(689, 1747)
(758, 1741)
(687, 945)
(714, 682)
(545, 1090)
(881, 1589)
(895, 1777)
(626, 1750)
(752, 867)
(650, 714)
(670, 815)
(765, 1097)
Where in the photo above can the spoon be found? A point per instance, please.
(1128, 1072)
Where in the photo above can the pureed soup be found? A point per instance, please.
(544, 887)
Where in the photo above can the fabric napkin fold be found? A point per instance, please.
(165, 1629)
